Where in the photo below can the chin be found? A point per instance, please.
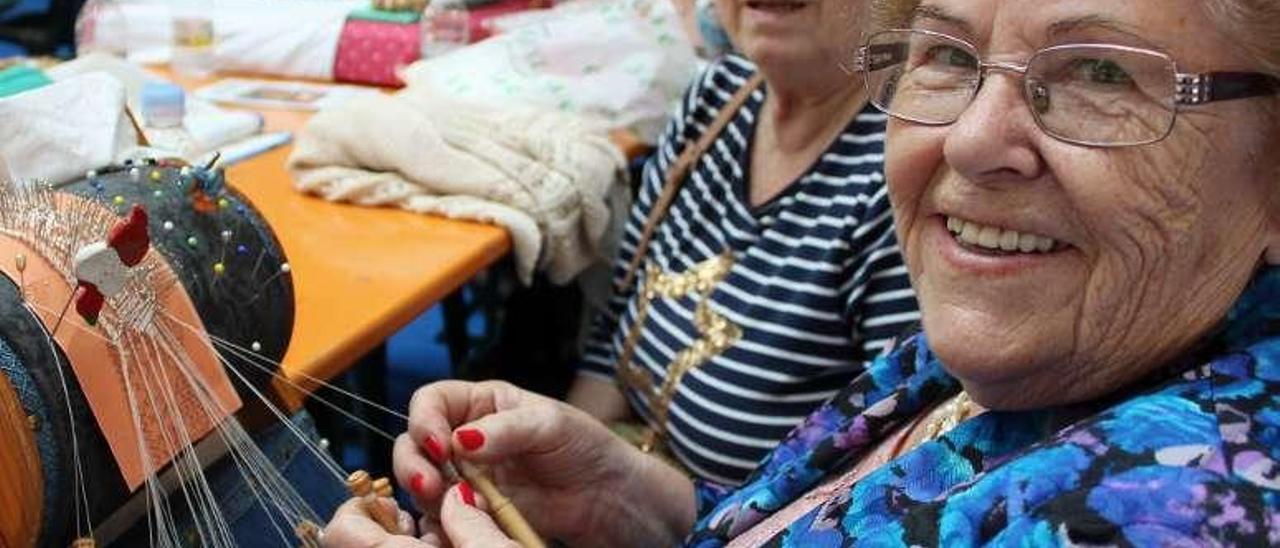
(1002, 360)
(777, 52)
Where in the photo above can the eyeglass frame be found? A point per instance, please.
(1190, 89)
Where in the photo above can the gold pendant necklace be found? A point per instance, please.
(957, 410)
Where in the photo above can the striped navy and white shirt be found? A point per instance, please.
(817, 285)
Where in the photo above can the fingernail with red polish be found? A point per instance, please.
(468, 496)
(470, 438)
(415, 483)
(435, 451)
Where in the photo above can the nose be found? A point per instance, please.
(994, 140)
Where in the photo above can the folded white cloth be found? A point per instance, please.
(58, 132)
(545, 176)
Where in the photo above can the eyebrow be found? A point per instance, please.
(935, 13)
(1090, 21)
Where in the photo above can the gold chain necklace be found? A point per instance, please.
(957, 410)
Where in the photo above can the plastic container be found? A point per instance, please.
(163, 105)
(163, 112)
(446, 26)
(193, 38)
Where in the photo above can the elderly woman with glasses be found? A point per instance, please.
(1088, 198)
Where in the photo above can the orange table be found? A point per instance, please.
(359, 273)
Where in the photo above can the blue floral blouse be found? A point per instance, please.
(1186, 457)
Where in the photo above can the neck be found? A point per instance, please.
(801, 112)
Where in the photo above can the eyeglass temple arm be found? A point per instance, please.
(878, 56)
(1198, 89)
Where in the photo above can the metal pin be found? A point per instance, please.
(20, 262)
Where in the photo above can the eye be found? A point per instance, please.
(951, 56)
(1103, 71)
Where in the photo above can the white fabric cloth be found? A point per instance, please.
(206, 126)
(58, 132)
(282, 37)
(624, 61)
(545, 176)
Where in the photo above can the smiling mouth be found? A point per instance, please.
(775, 6)
(999, 241)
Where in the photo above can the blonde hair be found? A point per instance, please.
(1256, 22)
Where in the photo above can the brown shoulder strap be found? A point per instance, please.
(679, 172)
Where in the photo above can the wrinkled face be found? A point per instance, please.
(1134, 252)
(795, 32)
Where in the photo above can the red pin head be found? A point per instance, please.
(129, 237)
(89, 302)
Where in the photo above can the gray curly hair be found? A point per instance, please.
(1256, 22)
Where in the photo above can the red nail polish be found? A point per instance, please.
(435, 451)
(415, 483)
(468, 496)
(470, 438)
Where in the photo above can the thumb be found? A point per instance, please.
(466, 525)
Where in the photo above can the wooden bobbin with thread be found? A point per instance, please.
(361, 485)
(308, 533)
(84, 542)
(503, 511)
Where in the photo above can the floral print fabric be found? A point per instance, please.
(1186, 457)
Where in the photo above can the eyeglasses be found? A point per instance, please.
(1099, 95)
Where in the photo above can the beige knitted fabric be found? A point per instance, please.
(545, 176)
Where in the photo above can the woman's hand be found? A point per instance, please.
(352, 527)
(465, 525)
(570, 477)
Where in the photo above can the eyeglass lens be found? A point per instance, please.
(1091, 94)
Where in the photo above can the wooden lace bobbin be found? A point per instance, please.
(361, 485)
(382, 488)
(503, 511)
(21, 478)
(84, 543)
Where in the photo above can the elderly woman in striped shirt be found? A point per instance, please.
(768, 273)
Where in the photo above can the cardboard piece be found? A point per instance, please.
(99, 368)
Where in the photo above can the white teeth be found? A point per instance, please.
(1009, 240)
(991, 237)
(1027, 242)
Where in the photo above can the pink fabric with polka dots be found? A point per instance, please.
(369, 52)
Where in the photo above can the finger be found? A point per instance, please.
(535, 428)
(466, 525)
(351, 526)
(433, 411)
(436, 407)
(405, 521)
(415, 474)
(430, 531)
